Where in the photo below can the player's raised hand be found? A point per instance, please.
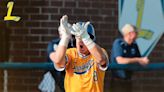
(64, 28)
(80, 30)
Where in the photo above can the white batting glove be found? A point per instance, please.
(64, 31)
(80, 31)
(64, 27)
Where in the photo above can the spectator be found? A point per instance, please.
(125, 51)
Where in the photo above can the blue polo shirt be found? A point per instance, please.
(121, 48)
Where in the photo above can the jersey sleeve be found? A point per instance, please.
(59, 69)
(117, 50)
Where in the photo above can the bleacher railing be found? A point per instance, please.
(49, 66)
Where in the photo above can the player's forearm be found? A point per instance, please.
(97, 52)
(58, 56)
(124, 60)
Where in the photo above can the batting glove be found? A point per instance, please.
(64, 31)
(80, 31)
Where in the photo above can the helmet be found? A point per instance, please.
(90, 30)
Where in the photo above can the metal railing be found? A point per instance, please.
(49, 66)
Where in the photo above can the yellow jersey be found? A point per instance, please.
(83, 74)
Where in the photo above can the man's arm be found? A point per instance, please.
(58, 57)
(140, 60)
(118, 54)
(99, 54)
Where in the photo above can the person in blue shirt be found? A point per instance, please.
(125, 51)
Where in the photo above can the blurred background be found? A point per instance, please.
(26, 40)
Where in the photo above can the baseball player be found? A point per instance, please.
(85, 65)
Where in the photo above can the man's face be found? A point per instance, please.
(81, 47)
(132, 36)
